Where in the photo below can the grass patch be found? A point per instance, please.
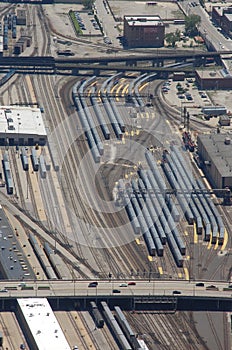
(75, 23)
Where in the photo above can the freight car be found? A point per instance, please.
(34, 159)
(116, 329)
(131, 337)
(7, 173)
(24, 159)
(98, 319)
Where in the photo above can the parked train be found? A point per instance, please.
(7, 173)
(97, 316)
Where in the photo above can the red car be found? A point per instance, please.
(131, 283)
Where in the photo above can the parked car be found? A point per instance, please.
(131, 283)
(176, 292)
(116, 291)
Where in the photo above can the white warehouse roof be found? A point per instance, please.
(43, 324)
(23, 120)
(143, 20)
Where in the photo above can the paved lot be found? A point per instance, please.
(222, 98)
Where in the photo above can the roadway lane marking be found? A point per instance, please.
(225, 240)
(123, 141)
(147, 115)
(186, 273)
(195, 237)
(179, 274)
(160, 270)
(149, 258)
(137, 241)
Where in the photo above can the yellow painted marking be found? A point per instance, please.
(132, 132)
(149, 258)
(125, 89)
(187, 257)
(210, 242)
(90, 90)
(195, 237)
(131, 173)
(186, 233)
(143, 86)
(186, 273)
(152, 115)
(126, 176)
(126, 133)
(216, 245)
(141, 115)
(160, 270)
(180, 275)
(167, 121)
(123, 141)
(158, 162)
(117, 91)
(137, 241)
(147, 115)
(225, 240)
(137, 132)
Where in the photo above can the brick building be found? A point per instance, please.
(223, 17)
(144, 31)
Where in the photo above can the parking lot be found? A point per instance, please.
(180, 94)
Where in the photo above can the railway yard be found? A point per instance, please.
(114, 194)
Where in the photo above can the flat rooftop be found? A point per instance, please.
(21, 120)
(219, 151)
(143, 20)
(43, 324)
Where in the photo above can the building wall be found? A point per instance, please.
(213, 83)
(144, 35)
(210, 171)
(218, 171)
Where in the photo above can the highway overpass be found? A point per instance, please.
(148, 295)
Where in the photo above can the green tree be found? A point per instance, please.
(88, 4)
(191, 23)
(172, 38)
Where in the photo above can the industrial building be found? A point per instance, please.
(21, 126)
(215, 79)
(215, 152)
(144, 31)
(40, 325)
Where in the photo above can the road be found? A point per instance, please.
(105, 288)
(206, 28)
